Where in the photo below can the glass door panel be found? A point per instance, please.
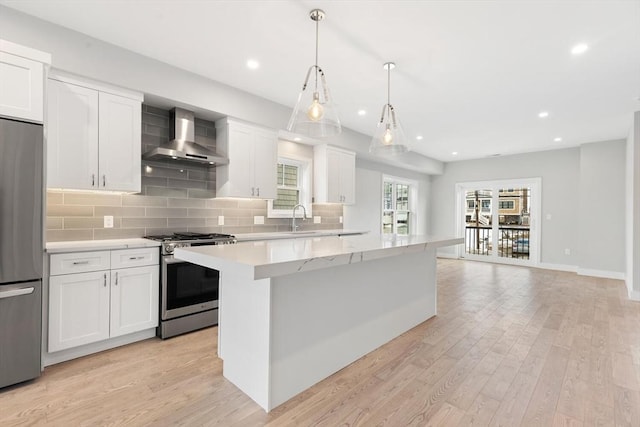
(478, 222)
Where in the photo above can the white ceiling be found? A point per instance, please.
(471, 76)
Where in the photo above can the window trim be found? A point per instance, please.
(413, 200)
(305, 174)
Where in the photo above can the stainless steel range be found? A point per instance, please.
(188, 292)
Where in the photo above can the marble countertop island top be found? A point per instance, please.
(271, 258)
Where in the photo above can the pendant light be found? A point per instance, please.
(314, 114)
(389, 138)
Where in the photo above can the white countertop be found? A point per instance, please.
(97, 245)
(270, 258)
(246, 237)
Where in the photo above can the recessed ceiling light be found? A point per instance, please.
(419, 137)
(362, 112)
(543, 114)
(455, 153)
(297, 139)
(557, 139)
(252, 64)
(579, 49)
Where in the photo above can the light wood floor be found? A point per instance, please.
(511, 346)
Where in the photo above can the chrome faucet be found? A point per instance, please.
(294, 227)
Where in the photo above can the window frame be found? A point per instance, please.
(412, 195)
(304, 165)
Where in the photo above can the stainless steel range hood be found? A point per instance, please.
(182, 146)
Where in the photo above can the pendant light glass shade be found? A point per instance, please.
(388, 138)
(314, 114)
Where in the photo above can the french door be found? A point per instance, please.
(499, 220)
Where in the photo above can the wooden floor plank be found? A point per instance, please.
(511, 346)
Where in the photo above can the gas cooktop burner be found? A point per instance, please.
(188, 235)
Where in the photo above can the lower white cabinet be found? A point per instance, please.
(93, 306)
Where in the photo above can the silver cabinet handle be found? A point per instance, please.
(104, 180)
(258, 192)
(93, 179)
(80, 262)
(116, 278)
(135, 257)
(16, 292)
(253, 191)
(105, 280)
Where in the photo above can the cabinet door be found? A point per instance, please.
(334, 190)
(347, 167)
(265, 157)
(119, 148)
(21, 88)
(72, 136)
(78, 309)
(236, 178)
(134, 299)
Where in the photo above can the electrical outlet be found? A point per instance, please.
(567, 251)
(340, 220)
(108, 221)
(221, 220)
(317, 219)
(548, 217)
(258, 219)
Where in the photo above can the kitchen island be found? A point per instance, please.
(294, 311)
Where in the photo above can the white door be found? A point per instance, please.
(334, 187)
(134, 299)
(265, 160)
(119, 149)
(348, 178)
(78, 309)
(499, 221)
(72, 136)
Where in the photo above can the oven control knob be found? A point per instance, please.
(168, 248)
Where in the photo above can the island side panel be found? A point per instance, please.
(245, 311)
(323, 320)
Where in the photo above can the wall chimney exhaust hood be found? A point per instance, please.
(182, 146)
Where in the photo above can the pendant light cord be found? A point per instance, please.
(316, 74)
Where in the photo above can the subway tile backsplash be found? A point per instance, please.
(173, 198)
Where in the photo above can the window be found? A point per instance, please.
(471, 204)
(396, 207)
(288, 186)
(294, 187)
(506, 204)
(486, 205)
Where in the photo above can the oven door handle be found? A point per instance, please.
(171, 260)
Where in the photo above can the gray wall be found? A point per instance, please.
(633, 209)
(366, 213)
(601, 218)
(566, 177)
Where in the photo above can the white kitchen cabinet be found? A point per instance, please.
(253, 158)
(94, 137)
(78, 309)
(334, 175)
(134, 299)
(22, 74)
(90, 306)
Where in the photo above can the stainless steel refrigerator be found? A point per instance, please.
(21, 250)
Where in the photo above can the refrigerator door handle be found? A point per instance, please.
(16, 292)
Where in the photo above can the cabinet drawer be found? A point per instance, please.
(79, 262)
(125, 258)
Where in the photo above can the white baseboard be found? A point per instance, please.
(601, 273)
(84, 350)
(448, 256)
(557, 267)
(633, 295)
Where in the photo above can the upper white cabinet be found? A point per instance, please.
(22, 72)
(334, 171)
(94, 136)
(253, 157)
